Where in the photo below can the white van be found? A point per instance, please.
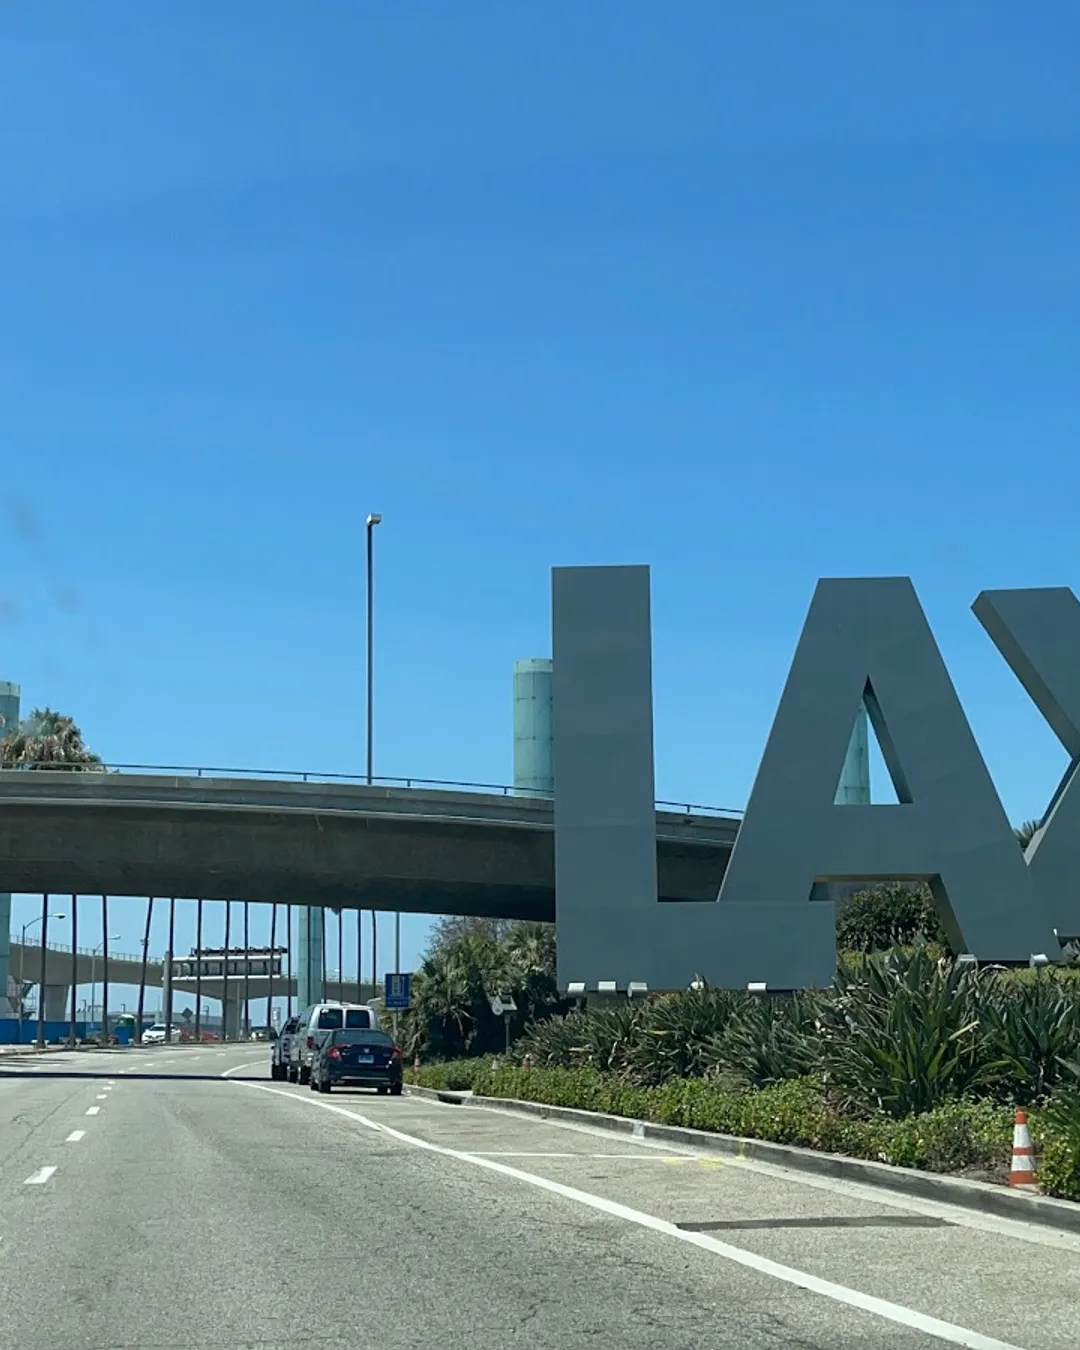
(315, 1025)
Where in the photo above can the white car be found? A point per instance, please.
(155, 1035)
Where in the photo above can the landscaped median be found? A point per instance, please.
(908, 1059)
(972, 1139)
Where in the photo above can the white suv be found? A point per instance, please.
(315, 1025)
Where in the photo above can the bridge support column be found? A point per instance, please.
(230, 1015)
(309, 974)
(56, 1002)
(9, 720)
(167, 993)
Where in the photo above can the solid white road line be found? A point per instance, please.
(838, 1293)
(92, 1110)
(1040, 1235)
(588, 1157)
(74, 1136)
(40, 1176)
(251, 1064)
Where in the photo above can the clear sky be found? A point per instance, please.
(752, 293)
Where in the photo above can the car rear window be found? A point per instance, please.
(357, 1017)
(359, 1037)
(329, 1018)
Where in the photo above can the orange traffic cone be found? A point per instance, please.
(1023, 1176)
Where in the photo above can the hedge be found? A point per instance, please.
(956, 1136)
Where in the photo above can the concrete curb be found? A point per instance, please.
(976, 1195)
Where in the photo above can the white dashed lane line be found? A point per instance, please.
(92, 1110)
(74, 1136)
(40, 1176)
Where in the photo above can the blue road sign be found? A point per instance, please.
(398, 992)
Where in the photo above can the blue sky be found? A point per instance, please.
(752, 293)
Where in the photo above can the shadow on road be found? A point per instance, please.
(211, 1075)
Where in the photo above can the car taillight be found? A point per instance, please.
(334, 1052)
(395, 1053)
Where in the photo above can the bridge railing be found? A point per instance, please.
(82, 951)
(361, 780)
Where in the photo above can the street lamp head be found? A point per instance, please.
(374, 519)
(58, 916)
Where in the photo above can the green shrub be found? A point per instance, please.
(452, 1075)
(954, 1136)
(895, 914)
(1059, 1121)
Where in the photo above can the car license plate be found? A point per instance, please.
(365, 1059)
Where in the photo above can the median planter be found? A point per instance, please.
(966, 1139)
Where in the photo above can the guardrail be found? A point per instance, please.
(294, 776)
(83, 951)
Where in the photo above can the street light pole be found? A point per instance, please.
(167, 994)
(372, 520)
(73, 1031)
(44, 915)
(93, 974)
(40, 1038)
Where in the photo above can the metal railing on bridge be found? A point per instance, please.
(85, 951)
(359, 780)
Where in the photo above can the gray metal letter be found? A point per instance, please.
(610, 924)
(868, 639)
(1037, 631)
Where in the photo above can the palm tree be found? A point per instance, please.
(47, 740)
(1026, 833)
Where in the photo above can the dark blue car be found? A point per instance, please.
(362, 1058)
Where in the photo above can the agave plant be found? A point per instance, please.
(1035, 1028)
(903, 1033)
(767, 1041)
(675, 1034)
(600, 1040)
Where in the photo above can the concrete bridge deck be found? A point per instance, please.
(320, 842)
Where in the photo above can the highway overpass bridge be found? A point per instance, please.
(429, 849)
(87, 967)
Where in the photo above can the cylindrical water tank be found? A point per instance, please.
(9, 711)
(534, 771)
(854, 787)
(9, 707)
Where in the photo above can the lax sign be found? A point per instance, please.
(865, 641)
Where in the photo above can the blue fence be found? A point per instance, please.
(54, 1031)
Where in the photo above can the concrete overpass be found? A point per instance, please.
(124, 968)
(425, 849)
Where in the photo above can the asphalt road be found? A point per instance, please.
(193, 1210)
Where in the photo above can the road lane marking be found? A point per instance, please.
(74, 1136)
(588, 1157)
(1020, 1230)
(92, 1110)
(40, 1176)
(251, 1064)
(838, 1293)
(101, 1097)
